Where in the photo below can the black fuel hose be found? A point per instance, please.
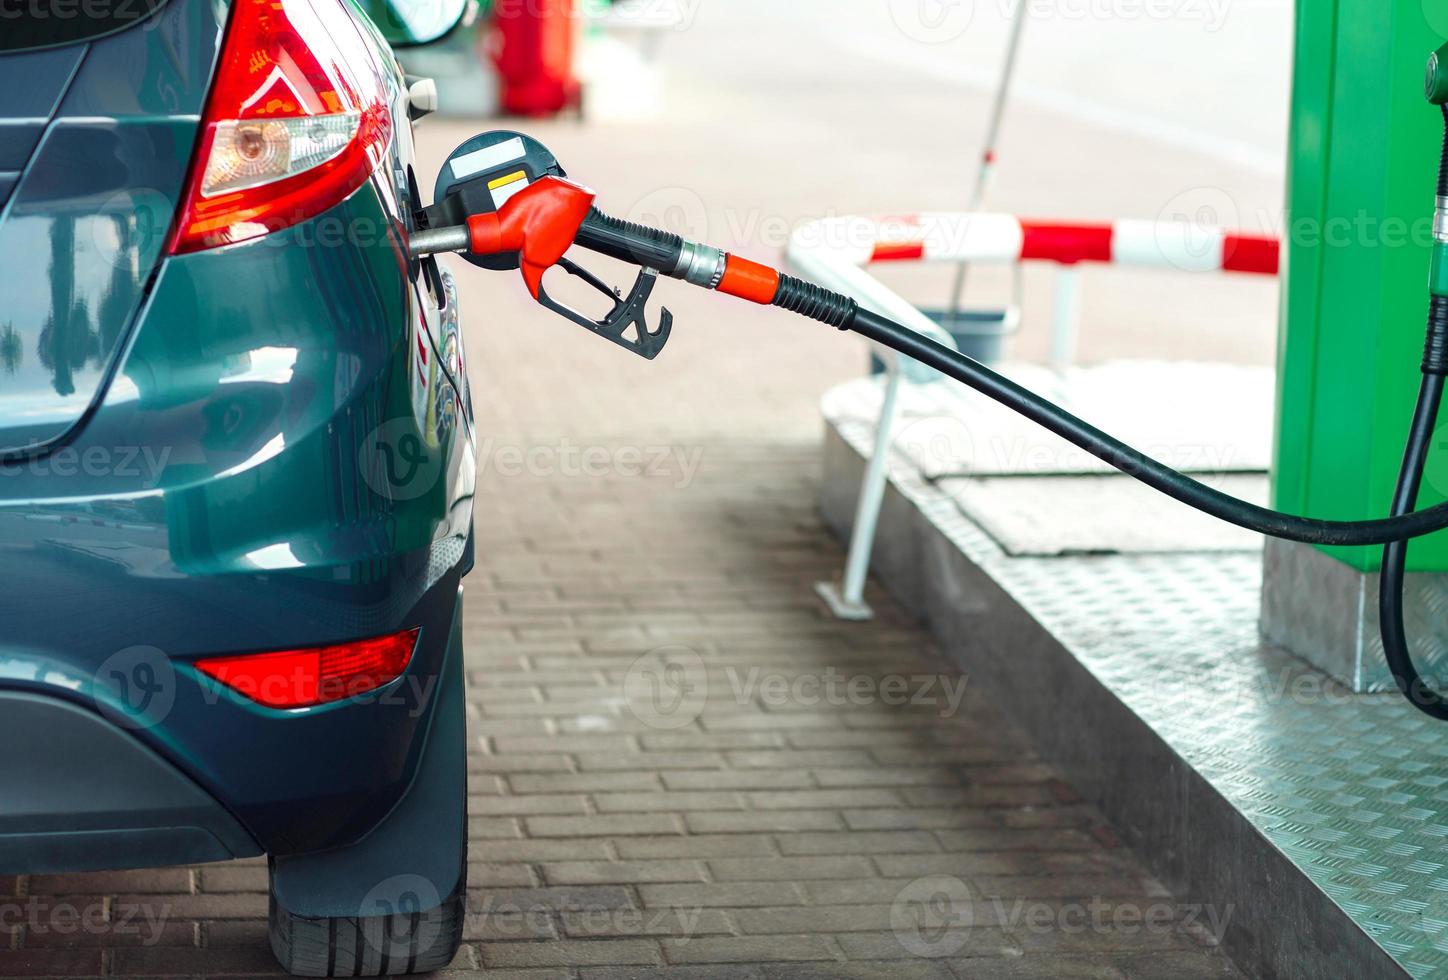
(1137, 464)
(642, 245)
(1395, 555)
(1410, 478)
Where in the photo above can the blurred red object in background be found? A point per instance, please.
(533, 46)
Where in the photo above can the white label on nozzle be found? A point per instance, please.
(488, 157)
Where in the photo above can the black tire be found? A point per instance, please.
(370, 946)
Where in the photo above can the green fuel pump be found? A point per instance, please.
(541, 215)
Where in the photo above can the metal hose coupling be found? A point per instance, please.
(701, 265)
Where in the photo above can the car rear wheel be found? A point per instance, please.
(408, 941)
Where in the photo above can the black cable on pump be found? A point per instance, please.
(1420, 439)
(1395, 555)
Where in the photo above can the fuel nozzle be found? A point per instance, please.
(1435, 86)
(503, 201)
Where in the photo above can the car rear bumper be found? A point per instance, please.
(282, 459)
(282, 781)
(82, 794)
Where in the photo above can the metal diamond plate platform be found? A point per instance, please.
(1353, 788)
(1238, 769)
(1338, 631)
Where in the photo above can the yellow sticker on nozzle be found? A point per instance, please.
(504, 181)
(503, 188)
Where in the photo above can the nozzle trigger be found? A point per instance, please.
(628, 312)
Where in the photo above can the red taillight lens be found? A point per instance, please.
(297, 119)
(314, 675)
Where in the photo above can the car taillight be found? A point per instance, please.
(314, 675)
(297, 119)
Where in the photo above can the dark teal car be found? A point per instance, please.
(236, 466)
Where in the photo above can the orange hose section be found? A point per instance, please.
(749, 280)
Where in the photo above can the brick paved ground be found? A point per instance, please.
(785, 830)
(771, 823)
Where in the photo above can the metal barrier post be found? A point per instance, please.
(992, 137)
(1066, 317)
(849, 602)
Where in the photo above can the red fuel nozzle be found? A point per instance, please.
(540, 223)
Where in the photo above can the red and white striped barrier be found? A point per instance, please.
(834, 251)
(1003, 238)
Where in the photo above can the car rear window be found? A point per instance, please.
(29, 24)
